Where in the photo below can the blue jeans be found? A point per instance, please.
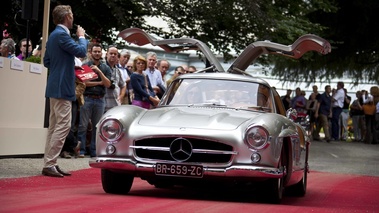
(92, 110)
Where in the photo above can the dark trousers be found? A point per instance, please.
(376, 135)
(336, 112)
(370, 130)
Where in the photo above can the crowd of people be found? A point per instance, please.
(332, 109)
(121, 81)
(8, 49)
(77, 106)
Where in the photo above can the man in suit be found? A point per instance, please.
(61, 50)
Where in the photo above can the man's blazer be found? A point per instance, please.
(61, 50)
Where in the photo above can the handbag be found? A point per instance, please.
(369, 109)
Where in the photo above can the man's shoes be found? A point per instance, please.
(77, 149)
(81, 156)
(62, 172)
(51, 172)
(66, 155)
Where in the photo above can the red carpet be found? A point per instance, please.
(82, 192)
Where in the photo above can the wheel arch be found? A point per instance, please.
(288, 158)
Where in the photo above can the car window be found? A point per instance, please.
(220, 93)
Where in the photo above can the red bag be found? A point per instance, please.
(85, 73)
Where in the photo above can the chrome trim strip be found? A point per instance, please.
(231, 171)
(154, 148)
(167, 149)
(210, 151)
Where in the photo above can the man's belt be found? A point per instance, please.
(94, 96)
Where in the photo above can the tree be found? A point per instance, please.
(354, 36)
(230, 25)
(99, 18)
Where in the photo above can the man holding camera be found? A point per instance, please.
(116, 92)
(94, 101)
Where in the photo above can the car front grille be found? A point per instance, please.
(204, 151)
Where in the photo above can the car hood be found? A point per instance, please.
(193, 117)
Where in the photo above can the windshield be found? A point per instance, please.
(219, 93)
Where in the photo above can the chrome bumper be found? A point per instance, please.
(231, 171)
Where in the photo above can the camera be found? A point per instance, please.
(112, 86)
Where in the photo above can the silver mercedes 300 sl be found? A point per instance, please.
(213, 126)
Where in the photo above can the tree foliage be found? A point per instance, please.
(354, 38)
(99, 18)
(228, 26)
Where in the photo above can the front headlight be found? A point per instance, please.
(111, 130)
(256, 137)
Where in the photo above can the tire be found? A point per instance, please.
(274, 188)
(300, 188)
(115, 182)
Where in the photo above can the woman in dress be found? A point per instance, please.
(311, 109)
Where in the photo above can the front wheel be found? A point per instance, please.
(300, 188)
(274, 188)
(116, 182)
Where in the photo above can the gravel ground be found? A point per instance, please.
(24, 167)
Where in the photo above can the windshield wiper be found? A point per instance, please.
(208, 104)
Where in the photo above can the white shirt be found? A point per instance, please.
(124, 73)
(78, 62)
(155, 77)
(65, 28)
(339, 96)
(367, 99)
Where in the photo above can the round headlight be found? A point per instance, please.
(256, 137)
(111, 130)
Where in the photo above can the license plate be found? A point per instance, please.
(185, 170)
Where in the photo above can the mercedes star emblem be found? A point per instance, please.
(181, 149)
